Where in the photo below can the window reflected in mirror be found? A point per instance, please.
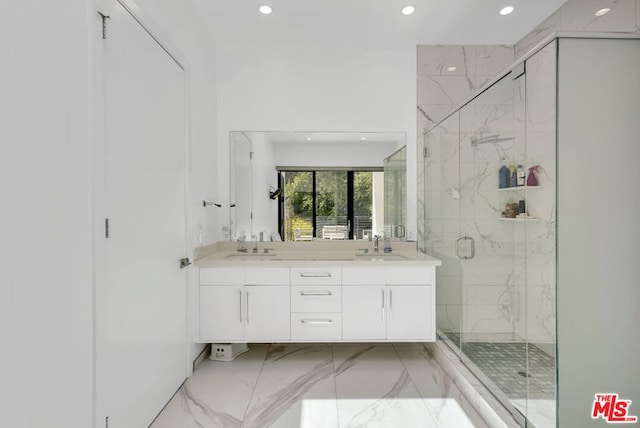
(333, 205)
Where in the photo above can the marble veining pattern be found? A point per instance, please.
(323, 386)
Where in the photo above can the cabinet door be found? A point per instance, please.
(221, 316)
(410, 313)
(268, 313)
(363, 312)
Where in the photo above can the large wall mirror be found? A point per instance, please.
(303, 186)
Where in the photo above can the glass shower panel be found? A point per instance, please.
(442, 223)
(395, 194)
(492, 239)
(541, 237)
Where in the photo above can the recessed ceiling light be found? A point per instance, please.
(506, 10)
(308, 138)
(603, 11)
(451, 69)
(408, 10)
(264, 9)
(363, 138)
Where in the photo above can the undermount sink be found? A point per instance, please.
(250, 255)
(379, 256)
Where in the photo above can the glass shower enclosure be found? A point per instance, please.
(395, 195)
(495, 235)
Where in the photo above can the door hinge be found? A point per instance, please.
(106, 227)
(106, 422)
(425, 152)
(184, 262)
(104, 24)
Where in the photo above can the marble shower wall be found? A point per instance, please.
(486, 297)
(441, 91)
(499, 297)
(579, 15)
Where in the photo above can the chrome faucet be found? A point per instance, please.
(376, 238)
(255, 244)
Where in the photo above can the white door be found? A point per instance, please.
(410, 313)
(221, 313)
(364, 312)
(142, 309)
(268, 313)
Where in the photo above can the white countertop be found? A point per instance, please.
(305, 254)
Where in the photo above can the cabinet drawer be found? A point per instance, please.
(373, 275)
(316, 275)
(316, 327)
(222, 276)
(267, 276)
(316, 298)
(410, 275)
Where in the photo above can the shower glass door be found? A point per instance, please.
(442, 223)
(492, 240)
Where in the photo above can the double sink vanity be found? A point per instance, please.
(315, 292)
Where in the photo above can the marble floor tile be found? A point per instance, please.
(445, 401)
(375, 390)
(296, 389)
(321, 386)
(216, 395)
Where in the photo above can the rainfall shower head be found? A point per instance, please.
(493, 138)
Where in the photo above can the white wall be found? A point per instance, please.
(181, 30)
(333, 154)
(265, 210)
(50, 134)
(46, 271)
(598, 270)
(316, 88)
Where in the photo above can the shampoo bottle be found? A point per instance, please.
(520, 176)
(532, 179)
(513, 177)
(504, 177)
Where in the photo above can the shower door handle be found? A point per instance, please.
(473, 247)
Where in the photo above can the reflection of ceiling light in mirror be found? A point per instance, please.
(451, 69)
(408, 10)
(363, 138)
(603, 11)
(308, 138)
(506, 10)
(264, 9)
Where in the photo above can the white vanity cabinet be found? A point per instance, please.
(244, 304)
(267, 304)
(364, 303)
(388, 303)
(317, 303)
(411, 307)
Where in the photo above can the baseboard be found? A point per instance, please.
(202, 356)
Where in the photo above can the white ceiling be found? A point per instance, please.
(377, 22)
(396, 138)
